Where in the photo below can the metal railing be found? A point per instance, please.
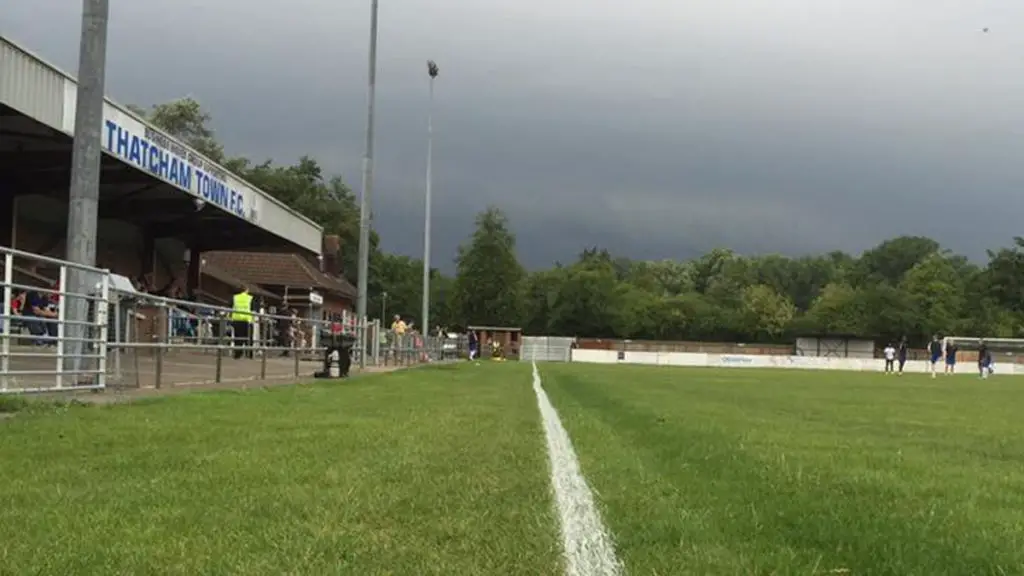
(408, 349)
(137, 340)
(79, 346)
(162, 340)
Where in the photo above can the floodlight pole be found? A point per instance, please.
(432, 71)
(365, 205)
(84, 190)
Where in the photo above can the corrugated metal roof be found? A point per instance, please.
(31, 86)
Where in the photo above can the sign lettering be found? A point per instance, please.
(159, 155)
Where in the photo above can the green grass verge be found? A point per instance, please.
(432, 471)
(720, 472)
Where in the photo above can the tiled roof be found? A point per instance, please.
(218, 273)
(274, 269)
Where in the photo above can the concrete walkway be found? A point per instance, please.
(179, 371)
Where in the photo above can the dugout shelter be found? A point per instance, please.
(835, 346)
(509, 338)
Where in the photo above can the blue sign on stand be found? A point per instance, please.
(159, 155)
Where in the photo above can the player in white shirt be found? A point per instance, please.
(890, 358)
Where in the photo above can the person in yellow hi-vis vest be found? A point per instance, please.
(241, 322)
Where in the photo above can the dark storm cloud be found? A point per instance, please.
(652, 130)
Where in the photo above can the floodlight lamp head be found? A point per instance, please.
(432, 68)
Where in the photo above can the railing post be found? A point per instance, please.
(119, 334)
(168, 325)
(8, 317)
(376, 342)
(161, 338)
(256, 330)
(314, 337)
(61, 307)
(222, 333)
(262, 343)
(102, 319)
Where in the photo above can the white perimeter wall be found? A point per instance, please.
(762, 361)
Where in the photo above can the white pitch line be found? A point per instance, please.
(586, 544)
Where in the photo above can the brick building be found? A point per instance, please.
(288, 278)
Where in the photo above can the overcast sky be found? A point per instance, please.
(652, 128)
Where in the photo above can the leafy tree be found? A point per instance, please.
(890, 260)
(540, 299)
(665, 277)
(734, 275)
(665, 317)
(590, 298)
(888, 313)
(767, 312)
(708, 267)
(937, 292)
(186, 120)
(1005, 275)
(403, 278)
(801, 279)
(488, 284)
(442, 310)
(838, 311)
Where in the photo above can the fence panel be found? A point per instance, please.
(546, 348)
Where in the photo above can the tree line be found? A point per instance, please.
(908, 285)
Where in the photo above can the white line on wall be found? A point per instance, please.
(586, 544)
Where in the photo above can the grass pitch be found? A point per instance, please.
(433, 471)
(734, 471)
(444, 471)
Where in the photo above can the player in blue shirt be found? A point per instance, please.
(474, 345)
(901, 353)
(984, 360)
(951, 350)
(936, 352)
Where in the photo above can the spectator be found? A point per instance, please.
(398, 330)
(144, 283)
(287, 329)
(398, 326)
(17, 307)
(241, 323)
(297, 332)
(18, 304)
(55, 296)
(39, 308)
